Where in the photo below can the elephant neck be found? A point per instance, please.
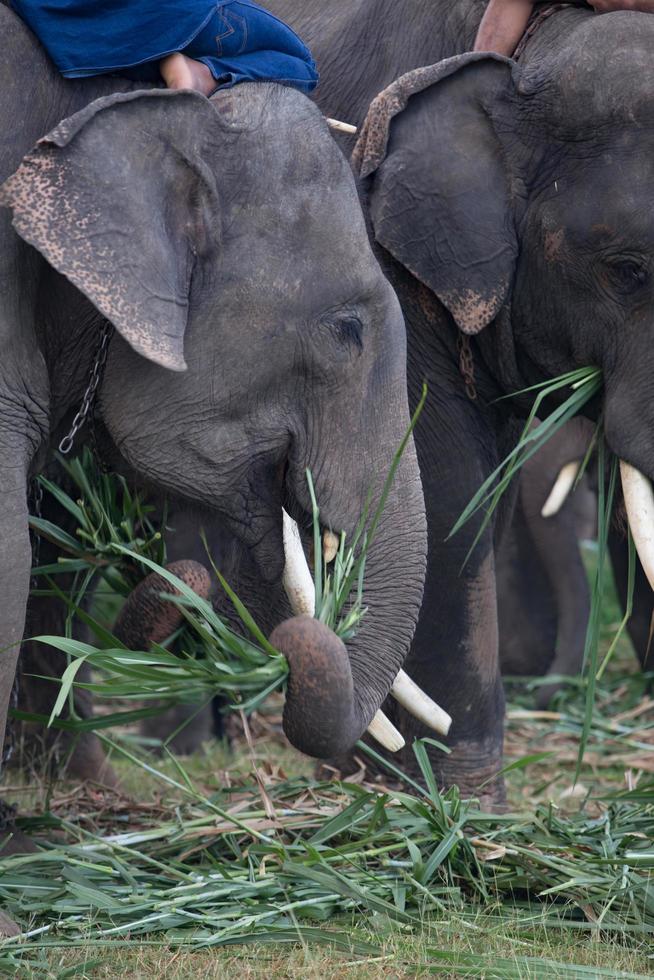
(511, 368)
(69, 343)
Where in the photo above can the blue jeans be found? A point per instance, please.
(237, 39)
(243, 42)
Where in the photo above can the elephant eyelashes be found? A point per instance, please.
(348, 330)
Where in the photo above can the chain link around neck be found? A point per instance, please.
(467, 366)
(88, 401)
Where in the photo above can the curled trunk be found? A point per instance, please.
(334, 691)
(320, 716)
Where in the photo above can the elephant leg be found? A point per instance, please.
(455, 660)
(183, 728)
(454, 656)
(73, 756)
(641, 621)
(557, 546)
(193, 723)
(40, 668)
(15, 566)
(527, 607)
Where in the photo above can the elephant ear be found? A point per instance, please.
(441, 193)
(115, 199)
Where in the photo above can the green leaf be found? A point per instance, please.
(521, 763)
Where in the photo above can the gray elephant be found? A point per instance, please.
(507, 200)
(254, 336)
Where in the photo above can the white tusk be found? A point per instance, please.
(301, 593)
(386, 733)
(419, 704)
(330, 545)
(562, 487)
(298, 582)
(341, 127)
(639, 504)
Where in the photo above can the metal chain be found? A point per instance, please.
(88, 400)
(467, 366)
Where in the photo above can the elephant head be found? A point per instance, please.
(518, 194)
(255, 337)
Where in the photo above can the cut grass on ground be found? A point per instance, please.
(460, 938)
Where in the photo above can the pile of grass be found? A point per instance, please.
(279, 860)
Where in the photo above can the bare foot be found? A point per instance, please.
(178, 71)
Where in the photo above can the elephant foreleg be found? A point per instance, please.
(15, 566)
(455, 660)
(39, 670)
(454, 656)
(557, 546)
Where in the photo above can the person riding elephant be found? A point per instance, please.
(196, 273)
(505, 21)
(507, 203)
(201, 45)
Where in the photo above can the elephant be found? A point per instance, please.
(506, 201)
(214, 254)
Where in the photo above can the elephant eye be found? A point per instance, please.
(629, 274)
(348, 329)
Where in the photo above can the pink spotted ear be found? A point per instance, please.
(104, 197)
(441, 197)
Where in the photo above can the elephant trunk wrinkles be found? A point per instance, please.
(320, 718)
(146, 617)
(334, 692)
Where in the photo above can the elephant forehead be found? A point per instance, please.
(283, 178)
(279, 133)
(603, 196)
(599, 79)
(284, 235)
